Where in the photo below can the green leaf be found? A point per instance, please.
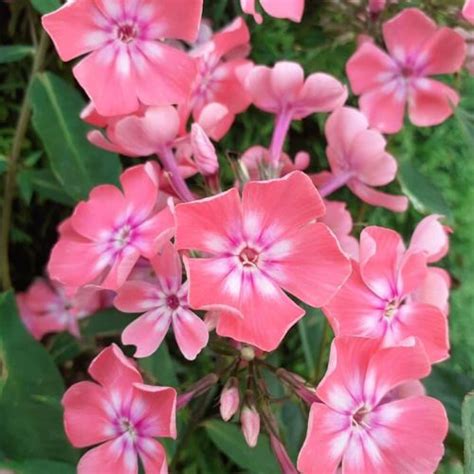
(229, 439)
(45, 6)
(468, 428)
(48, 187)
(10, 54)
(30, 391)
(424, 195)
(3, 163)
(160, 367)
(39, 466)
(25, 185)
(108, 322)
(77, 165)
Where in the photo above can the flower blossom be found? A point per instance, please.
(387, 83)
(105, 236)
(128, 64)
(259, 246)
(165, 303)
(46, 308)
(121, 412)
(366, 420)
(468, 10)
(288, 9)
(377, 300)
(358, 159)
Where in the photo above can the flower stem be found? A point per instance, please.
(168, 161)
(10, 176)
(325, 338)
(337, 181)
(282, 125)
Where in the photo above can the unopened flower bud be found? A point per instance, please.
(200, 387)
(279, 450)
(203, 151)
(247, 353)
(230, 399)
(250, 421)
(376, 6)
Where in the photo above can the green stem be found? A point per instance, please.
(10, 177)
(322, 349)
(306, 347)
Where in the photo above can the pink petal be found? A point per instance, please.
(326, 439)
(290, 9)
(468, 10)
(378, 198)
(412, 272)
(113, 370)
(86, 420)
(286, 81)
(147, 332)
(384, 106)
(258, 85)
(431, 237)
(136, 296)
(311, 265)
(168, 268)
(363, 455)
(197, 226)
(122, 266)
(112, 457)
(153, 457)
(445, 51)
(368, 68)
(98, 139)
(431, 103)
(191, 333)
(158, 408)
(429, 325)
(74, 30)
(381, 250)
(406, 33)
(232, 37)
(409, 449)
(216, 120)
(434, 290)
(41, 296)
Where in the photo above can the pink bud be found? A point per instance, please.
(281, 455)
(230, 400)
(203, 151)
(197, 389)
(376, 6)
(250, 421)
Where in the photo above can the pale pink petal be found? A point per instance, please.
(362, 455)
(231, 38)
(216, 120)
(248, 6)
(74, 30)
(168, 268)
(197, 226)
(368, 68)
(190, 332)
(136, 296)
(153, 457)
(286, 80)
(431, 237)
(258, 84)
(412, 272)
(326, 439)
(434, 290)
(121, 267)
(113, 370)
(310, 265)
(468, 10)
(431, 103)
(148, 331)
(41, 296)
(112, 457)
(98, 139)
(406, 33)
(290, 9)
(86, 420)
(378, 198)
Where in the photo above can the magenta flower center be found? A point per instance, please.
(248, 256)
(122, 236)
(128, 427)
(173, 302)
(127, 33)
(359, 416)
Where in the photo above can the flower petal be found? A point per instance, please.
(191, 333)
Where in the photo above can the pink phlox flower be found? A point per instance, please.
(258, 246)
(287, 9)
(378, 300)
(106, 235)
(127, 62)
(468, 10)
(164, 303)
(389, 82)
(359, 160)
(121, 415)
(371, 412)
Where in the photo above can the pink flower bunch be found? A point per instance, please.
(172, 245)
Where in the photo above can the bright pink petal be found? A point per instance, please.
(290, 9)
(74, 30)
(232, 37)
(121, 267)
(197, 226)
(378, 198)
(310, 265)
(147, 332)
(286, 80)
(136, 296)
(468, 10)
(168, 268)
(434, 290)
(41, 296)
(98, 139)
(153, 457)
(258, 84)
(431, 237)
(216, 120)
(326, 439)
(412, 272)
(113, 370)
(368, 68)
(431, 103)
(86, 420)
(406, 33)
(191, 333)
(112, 457)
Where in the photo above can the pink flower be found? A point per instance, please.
(103, 239)
(46, 308)
(468, 10)
(229, 399)
(128, 62)
(358, 159)
(165, 303)
(288, 9)
(339, 220)
(121, 412)
(365, 422)
(417, 49)
(221, 67)
(204, 152)
(257, 247)
(250, 422)
(377, 299)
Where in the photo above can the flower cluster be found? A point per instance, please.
(255, 256)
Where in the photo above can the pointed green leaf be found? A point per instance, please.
(10, 54)
(468, 428)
